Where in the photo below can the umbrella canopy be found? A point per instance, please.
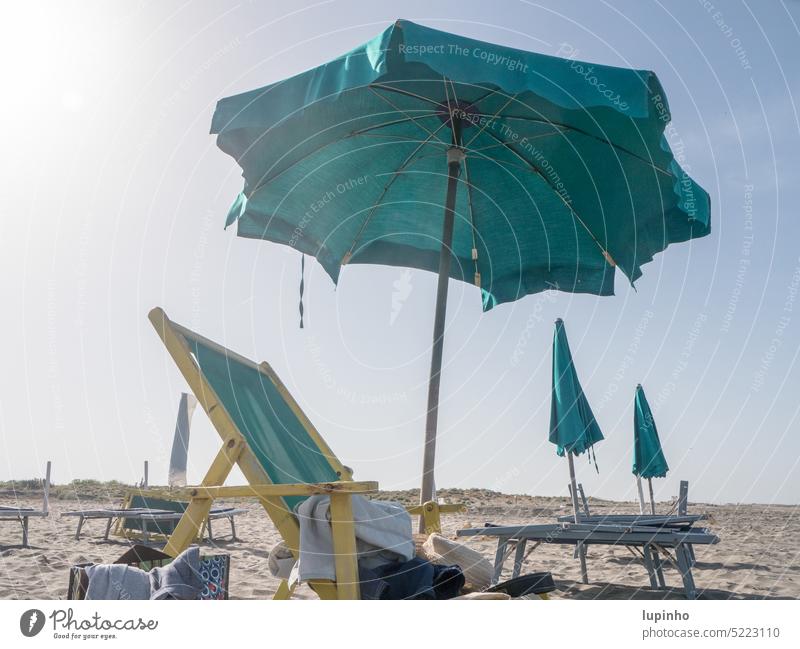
(566, 174)
(573, 428)
(551, 172)
(648, 458)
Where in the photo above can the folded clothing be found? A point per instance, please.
(117, 581)
(383, 535)
(280, 561)
(179, 579)
(414, 579)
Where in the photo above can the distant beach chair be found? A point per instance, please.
(277, 448)
(215, 572)
(23, 514)
(138, 527)
(150, 519)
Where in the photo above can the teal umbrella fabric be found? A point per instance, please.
(573, 427)
(648, 458)
(567, 174)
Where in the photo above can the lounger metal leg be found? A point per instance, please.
(108, 527)
(648, 563)
(499, 559)
(682, 555)
(519, 557)
(659, 566)
(78, 531)
(690, 550)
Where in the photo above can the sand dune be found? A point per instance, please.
(756, 558)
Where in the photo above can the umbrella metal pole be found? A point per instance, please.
(455, 155)
(641, 494)
(576, 514)
(652, 500)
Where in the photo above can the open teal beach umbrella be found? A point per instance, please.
(648, 458)
(510, 170)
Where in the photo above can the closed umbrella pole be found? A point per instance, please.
(581, 550)
(652, 500)
(455, 156)
(641, 494)
(573, 487)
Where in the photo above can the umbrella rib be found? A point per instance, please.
(529, 139)
(577, 216)
(407, 93)
(400, 110)
(393, 122)
(364, 131)
(395, 176)
(497, 112)
(587, 134)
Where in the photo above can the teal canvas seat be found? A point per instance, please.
(278, 438)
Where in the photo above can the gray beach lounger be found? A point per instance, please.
(24, 514)
(654, 543)
(144, 521)
(679, 519)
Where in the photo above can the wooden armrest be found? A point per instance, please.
(272, 490)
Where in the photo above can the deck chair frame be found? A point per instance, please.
(236, 451)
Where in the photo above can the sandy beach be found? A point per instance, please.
(757, 557)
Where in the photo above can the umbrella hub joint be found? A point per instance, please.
(455, 155)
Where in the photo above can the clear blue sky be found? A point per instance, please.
(114, 196)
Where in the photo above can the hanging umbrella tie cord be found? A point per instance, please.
(593, 458)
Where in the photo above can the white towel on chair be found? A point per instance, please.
(383, 534)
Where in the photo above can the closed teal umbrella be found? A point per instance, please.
(551, 173)
(573, 427)
(648, 458)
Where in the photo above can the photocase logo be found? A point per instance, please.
(31, 622)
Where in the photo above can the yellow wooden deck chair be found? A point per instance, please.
(277, 448)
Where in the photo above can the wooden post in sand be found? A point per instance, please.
(46, 500)
(575, 511)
